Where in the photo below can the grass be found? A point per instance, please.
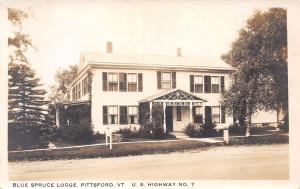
(147, 147)
(124, 149)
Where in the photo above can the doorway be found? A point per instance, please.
(169, 118)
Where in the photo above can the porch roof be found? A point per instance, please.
(72, 103)
(174, 95)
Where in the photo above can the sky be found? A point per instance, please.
(62, 29)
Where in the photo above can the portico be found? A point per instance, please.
(187, 107)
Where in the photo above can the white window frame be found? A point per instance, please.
(115, 113)
(214, 115)
(112, 80)
(132, 82)
(130, 114)
(166, 81)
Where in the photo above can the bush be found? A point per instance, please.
(128, 132)
(208, 129)
(77, 133)
(22, 137)
(194, 130)
(237, 129)
(284, 126)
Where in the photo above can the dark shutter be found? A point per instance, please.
(104, 81)
(105, 116)
(158, 80)
(208, 114)
(123, 115)
(223, 114)
(178, 113)
(192, 83)
(122, 82)
(173, 80)
(207, 84)
(140, 82)
(222, 84)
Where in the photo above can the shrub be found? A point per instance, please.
(208, 129)
(77, 133)
(284, 126)
(237, 129)
(25, 137)
(128, 132)
(194, 130)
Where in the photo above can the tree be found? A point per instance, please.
(260, 58)
(60, 91)
(28, 121)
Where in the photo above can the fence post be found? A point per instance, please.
(226, 136)
(110, 140)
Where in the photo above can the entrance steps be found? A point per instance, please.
(180, 134)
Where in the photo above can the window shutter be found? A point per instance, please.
(173, 80)
(104, 81)
(140, 82)
(208, 114)
(222, 84)
(223, 114)
(105, 116)
(192, 83)
(158, 80)
(207, 84)
(123, 82)
(123, 115)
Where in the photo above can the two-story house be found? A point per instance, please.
(189, 88)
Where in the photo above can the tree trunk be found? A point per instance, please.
(248, 126)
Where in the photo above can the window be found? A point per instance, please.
(166, 80)
(198, 114)
(198, 83)
(215, 84)
(85, 86)
(73, 93)
(112, 114)
(216, 114)
(112, 81)
(132, 82)
(132, 114)
(178, 113)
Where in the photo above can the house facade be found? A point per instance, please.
(188, 88)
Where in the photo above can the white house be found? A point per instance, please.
(189, 88)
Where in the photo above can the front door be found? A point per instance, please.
(169, 118)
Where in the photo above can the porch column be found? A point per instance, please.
(150, 105)
(203, 110)
(191, 112)
(57, 117)
(165, 126)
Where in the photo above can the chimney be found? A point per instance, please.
(109, 47)
(178, 52)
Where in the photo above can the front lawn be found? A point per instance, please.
(122, 149)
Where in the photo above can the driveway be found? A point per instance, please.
(230, 162)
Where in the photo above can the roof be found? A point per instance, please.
(173, 94)
(144, 60)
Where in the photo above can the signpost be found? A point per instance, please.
(108, 135)
(226, 136)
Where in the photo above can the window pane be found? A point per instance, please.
(215, 80)
(132, 78)
(198, 79)
(166, 76)
(132, 110)
(215, 110)
(112, 77)
(198, 110)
